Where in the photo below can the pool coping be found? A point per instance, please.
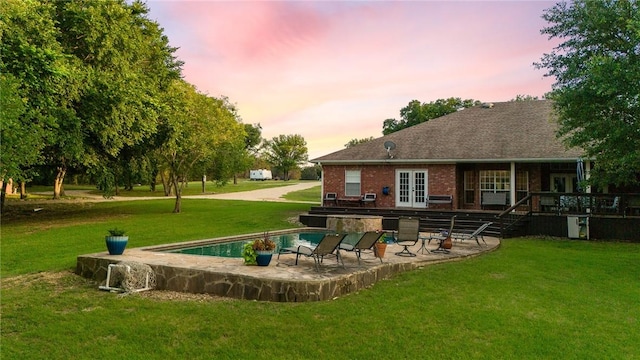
(281, 281)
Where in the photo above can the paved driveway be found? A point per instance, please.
(270, 194)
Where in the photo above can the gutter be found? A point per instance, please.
(443, 161)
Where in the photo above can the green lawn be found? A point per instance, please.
(530, 299)
(192, 188)
(309, 195)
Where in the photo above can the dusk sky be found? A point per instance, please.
(333, 71)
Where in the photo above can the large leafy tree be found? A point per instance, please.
(253, 139)
(416, 112)
(90, 74)
(597, 90)
(286, 152)
(125, 63)
(236, 156)
(193, 128)
(38, 85)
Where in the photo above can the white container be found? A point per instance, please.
(578, 227)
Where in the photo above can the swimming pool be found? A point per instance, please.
(233, 249)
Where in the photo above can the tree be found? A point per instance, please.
(520, 97)
(415, 112)
(286, 152)
(354, 142)
(194, 126)
(36, 71)
(313, 172)
(597, 90)
(18, 148)
(125, 63)
(254, 137)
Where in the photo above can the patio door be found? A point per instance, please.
(564, 183)
(412, 188)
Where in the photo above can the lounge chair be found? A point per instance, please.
(366, 242)
(441, 237)
(328, 245)
(408, 232)
(474, 235)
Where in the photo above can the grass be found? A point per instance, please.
(192, 188)
(530, 299)
(53, 237)
(308, 195)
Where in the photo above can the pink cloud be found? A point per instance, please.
(314, 67)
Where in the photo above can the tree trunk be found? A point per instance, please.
(23, 190)
(154, 176)
(2, 198)
(115, 182)
(178, 191)
(166, 183)
(57, 184)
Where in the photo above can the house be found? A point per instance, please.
(484, 157)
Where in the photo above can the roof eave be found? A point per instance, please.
(444, 161)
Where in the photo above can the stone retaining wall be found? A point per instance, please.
(251, 288)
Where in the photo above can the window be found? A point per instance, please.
(494, 180)
(522, 184)
(352, 183)
(469, 187)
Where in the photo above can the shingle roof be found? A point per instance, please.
(508, 131)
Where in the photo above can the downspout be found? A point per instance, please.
(321, 184)
(587, 174)
(512, 185)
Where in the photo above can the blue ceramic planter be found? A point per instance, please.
(116, 244)
(388, 238)
(263, 258)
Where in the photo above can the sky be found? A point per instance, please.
(332, 71)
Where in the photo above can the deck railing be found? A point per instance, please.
(613, 205)
(627, 204)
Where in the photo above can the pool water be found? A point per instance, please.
(233, 249)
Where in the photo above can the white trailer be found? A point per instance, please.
(260, 174)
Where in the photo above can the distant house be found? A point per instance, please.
(485, 157)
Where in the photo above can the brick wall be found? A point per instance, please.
(442, 180)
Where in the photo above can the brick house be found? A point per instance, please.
(485, 157)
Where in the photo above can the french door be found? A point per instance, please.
(564, 183)
(412, 188)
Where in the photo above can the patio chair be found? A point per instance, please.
(408, 232)
(474, 235)
(613, 207)
(442, 237)
(328, 245)
(366, 242)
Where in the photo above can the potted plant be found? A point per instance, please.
(262, 248)
(248, 254)
(381, 245)
(116, 241)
